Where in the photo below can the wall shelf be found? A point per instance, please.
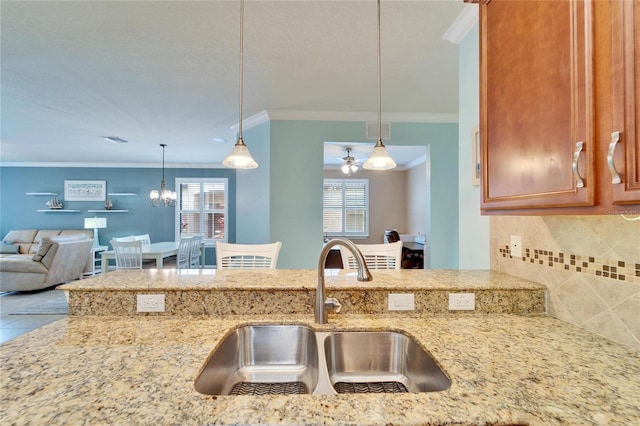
(122, 194)
(42, 193)
(58, 211)
(108, 211)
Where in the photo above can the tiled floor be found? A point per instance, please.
(14, 325)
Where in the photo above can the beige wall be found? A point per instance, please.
(387, 201)
(590, 264)
(417, 200)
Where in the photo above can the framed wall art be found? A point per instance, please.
(85, 190)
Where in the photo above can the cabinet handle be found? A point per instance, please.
(576, 173)
(615, 175)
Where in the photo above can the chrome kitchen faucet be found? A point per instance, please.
(323, 304)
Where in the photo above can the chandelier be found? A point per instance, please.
(349, 164)
(240, 157)
(380, 158)
(165, 196)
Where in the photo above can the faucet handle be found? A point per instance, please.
(332, 303)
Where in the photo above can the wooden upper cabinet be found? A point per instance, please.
(537, 105)
(623, 158)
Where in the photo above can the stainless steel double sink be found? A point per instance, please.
(294, 359)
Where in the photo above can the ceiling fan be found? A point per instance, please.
(350, 164)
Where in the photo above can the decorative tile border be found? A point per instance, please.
(612, 269)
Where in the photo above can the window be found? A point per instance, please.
(202, 208)
(345, 207)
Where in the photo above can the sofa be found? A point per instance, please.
(35, 259)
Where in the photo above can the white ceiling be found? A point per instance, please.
(156, 72)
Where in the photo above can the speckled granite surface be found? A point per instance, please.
(282, 291)
(504, 369)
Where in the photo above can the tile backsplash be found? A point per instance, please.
(590, 264)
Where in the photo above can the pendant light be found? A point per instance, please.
(165, 196)
(240, 157)
(380, 158)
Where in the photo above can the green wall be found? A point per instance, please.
(296, 175)
(252, 199)
(474, 228)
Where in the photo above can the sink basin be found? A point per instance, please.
(293, 359)
(380, 362)
(262, 359)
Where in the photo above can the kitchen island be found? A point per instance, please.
(504, 369)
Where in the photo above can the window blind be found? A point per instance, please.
(346, 207)
(202, 208)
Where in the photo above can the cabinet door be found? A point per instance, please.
(536, 105)
(624, 149)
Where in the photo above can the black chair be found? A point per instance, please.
(410, 260)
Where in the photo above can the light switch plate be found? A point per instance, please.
(401, 302)
(150, 302)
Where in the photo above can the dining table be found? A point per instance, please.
(156, 251)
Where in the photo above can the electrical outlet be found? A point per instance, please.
(150, 302)
(516, 246)
(462, 301)
(401, 302)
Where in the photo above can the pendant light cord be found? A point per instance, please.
(163, 145)
(241, 65)
(379, 82)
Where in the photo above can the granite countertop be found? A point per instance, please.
(504, 369)
(294, 279)
(292, 291)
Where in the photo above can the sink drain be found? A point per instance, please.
(373, 387)
(285, 388)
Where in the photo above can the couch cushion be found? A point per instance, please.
(43, 249)
(43, 233)
(23, 238)
(22, 263)
(45, 244)
(68, 238)
(9, 248)
(87, 232)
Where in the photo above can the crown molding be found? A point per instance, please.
(390, 117)
(393, 117)
(419, 160)
(254, 120)
(463, 24)
(119, 165)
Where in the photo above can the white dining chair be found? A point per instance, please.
(144, 238)
(195, 251)
(247, 256)
(183, 259)
(123, 239)
(377, 256)
(128, 254)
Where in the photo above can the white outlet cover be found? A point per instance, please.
(462, 301)
(150, 302)
(516, 246)
(401, 302)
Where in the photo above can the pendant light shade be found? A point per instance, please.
(240, 157)
(380, 158)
